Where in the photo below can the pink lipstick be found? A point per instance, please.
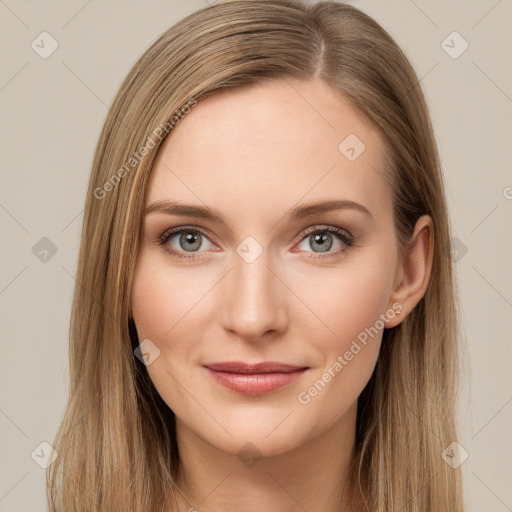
(254, 379)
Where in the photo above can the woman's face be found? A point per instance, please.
(266, 279)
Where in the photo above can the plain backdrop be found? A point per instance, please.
(52, 112)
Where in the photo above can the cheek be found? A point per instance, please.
(164, 299)
(165, 307)
(361, 299)
(350, 304)
(348, 299)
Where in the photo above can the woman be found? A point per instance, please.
(264, 316)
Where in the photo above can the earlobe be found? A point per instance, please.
(415, 270)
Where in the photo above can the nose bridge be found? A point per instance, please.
(253, 301)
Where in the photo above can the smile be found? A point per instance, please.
(254, 379)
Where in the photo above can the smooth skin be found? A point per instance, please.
(252, 154)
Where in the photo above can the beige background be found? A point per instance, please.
(52, 111)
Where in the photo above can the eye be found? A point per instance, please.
(185, 243)
(183, 240)
(323, 239)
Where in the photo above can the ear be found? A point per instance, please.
(413, 271)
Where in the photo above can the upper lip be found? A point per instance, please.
(265, 367)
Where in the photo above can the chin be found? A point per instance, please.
(266, 431)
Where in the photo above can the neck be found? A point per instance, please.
(314, 475)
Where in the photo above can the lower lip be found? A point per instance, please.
(255, 383)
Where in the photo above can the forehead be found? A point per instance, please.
(271, 145)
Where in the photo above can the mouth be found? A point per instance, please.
(254, 379)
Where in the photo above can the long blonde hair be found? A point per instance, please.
(116, 445)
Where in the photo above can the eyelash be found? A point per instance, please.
(343, 235)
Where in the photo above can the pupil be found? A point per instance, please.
(321, 239)
(190, 239)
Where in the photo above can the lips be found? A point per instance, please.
(266, 367)
(254, 379)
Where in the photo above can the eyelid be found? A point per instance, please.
(169, 233)
(329, 228)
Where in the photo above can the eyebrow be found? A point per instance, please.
(296, 213)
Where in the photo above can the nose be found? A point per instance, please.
(254, 300)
